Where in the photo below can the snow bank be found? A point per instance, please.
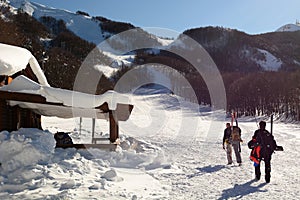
(30, 164)
(21, 153)
(23, 148)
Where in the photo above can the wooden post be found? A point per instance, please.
(272, 123)
(93, 130)
(113, 127)
(80, 124)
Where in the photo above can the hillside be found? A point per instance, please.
(233, 50)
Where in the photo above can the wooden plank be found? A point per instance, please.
(24, 97)
(111, 147)
(17, 96)
(94, 140)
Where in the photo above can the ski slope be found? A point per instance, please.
(170, 149)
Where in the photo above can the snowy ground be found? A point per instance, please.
(170, 150)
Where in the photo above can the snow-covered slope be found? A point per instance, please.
(168, 151)
(269, 61)
(78, 24)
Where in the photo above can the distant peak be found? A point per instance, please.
(290, 27)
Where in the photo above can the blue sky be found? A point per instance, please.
(252, 17)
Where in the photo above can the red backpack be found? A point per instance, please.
(255, 155)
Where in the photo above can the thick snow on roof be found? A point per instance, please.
(76, 103)
(14, 59)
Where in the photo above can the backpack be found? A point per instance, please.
(62, 138)
(255, 154)
(235, 134)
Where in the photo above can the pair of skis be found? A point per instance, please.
(277, 148)
(234, 118)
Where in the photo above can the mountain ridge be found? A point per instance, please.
(231, 49)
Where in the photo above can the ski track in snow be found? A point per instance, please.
(163, 163)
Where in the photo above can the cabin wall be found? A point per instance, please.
(13, 118)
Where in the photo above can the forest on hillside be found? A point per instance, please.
(248, 93)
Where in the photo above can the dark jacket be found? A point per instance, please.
(266, 141)
(227, 133)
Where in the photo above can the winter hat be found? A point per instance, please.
(262, 123)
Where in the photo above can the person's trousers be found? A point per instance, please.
(267, 170)
(229, 153)
(236, 148)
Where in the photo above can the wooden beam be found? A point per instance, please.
(113, 127)
(123, 111)
(24, 97)
(103, 107)
(17, 96)
(110, 147)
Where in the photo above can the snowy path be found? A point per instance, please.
(198, 169)
(199, 172)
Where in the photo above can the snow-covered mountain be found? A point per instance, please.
(99, 30)
(289, 27)
(233, 50)
(78, 23)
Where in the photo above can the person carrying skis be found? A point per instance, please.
(232, 139)
(263, 146)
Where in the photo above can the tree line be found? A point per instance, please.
(264, 93)
(248, 93)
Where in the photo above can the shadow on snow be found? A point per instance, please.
(239, 191)
(206, 169)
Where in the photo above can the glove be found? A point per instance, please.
(278, 148)
(255, 164)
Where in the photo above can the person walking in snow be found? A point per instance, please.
(264, 144)
(232, 139)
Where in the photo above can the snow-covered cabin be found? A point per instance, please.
(24, 100)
